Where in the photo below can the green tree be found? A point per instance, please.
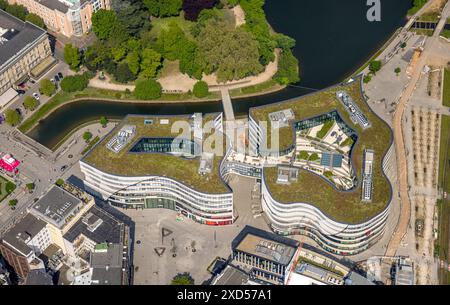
(103, 23)
(231, 53)
(150, 63)
(47, 87)
(30, 103)
(74, 83)
(59, 182)
(163, 8)
(123, 73)
(284, 42)
(171, 41)
(201, 89)
(397, 70)
(119, 53)
(35, 19)
(12, 117)
(183, 279)
(134, 62)
(13, 203)
(18, 11)
(287, 68)
(367, 78)
(30, 187)
(147, 90)
(375, 66)
(103, 121)
(72, 56)
(87, 136)
(10, 187)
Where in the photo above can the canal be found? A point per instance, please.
(334, 38)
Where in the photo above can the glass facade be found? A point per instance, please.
(166, 145)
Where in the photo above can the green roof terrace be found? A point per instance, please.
(341, 206)
(182, 169)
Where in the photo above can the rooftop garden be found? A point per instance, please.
(310, 188)
(156, 164)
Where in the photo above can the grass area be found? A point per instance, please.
(6, 188)
(266, 86)
(444, 204)
(424, 32)
(90, 145)
(446, 96)
(341, 206)
(429, 17)
(445, 33)
(156, 164)
(417, 7)
(159, 24)
(62, 97)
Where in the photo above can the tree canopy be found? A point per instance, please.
(230, 52)
(30, 103)
(12, 117)
(72, 56)
(46, 87)
(147, 90)
(163, 8)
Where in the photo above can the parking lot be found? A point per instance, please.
(159, 234)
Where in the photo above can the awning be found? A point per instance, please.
(8, 163)
(43, 67)
(7, 97)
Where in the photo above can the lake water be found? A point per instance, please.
(334, 38)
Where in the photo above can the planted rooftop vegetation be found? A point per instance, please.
(314, 189)
(126, 163)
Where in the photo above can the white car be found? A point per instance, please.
(36, 96)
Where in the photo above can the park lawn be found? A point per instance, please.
(444, 204)
(160, 24)
(446, 96)
(4, 192)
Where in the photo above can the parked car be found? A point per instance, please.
(53, 80)
(61, 76)
(21, 92)
(36, 96)
(56, 77)
(19, 111)
(63, 168)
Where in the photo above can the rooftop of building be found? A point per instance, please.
(58, 205)
(184, 170)
(56, 5)
(341, 206)
(22, 232)
(97, 225)
(107, 265)
(15, 35)
(38, 277)
(265, 245)
(231, 276)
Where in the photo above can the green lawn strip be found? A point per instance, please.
(444, 154)
(446, 97)
(90, 145)
(6, 187)
(90, 92)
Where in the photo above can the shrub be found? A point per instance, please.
(201, 89)
(12, 203)
(148, 90)
(183, 279)
(375, 66)
(59, 182)
(75, 83)
(10, 187)
(288, 72)
(103, 121)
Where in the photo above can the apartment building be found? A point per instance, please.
(24, 52)
(67, 17)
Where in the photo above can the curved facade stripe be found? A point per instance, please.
(160, 192)
(305, 219)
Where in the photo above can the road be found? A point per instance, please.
(402, 169)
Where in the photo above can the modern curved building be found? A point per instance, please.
(300, 201)
(142, 165)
